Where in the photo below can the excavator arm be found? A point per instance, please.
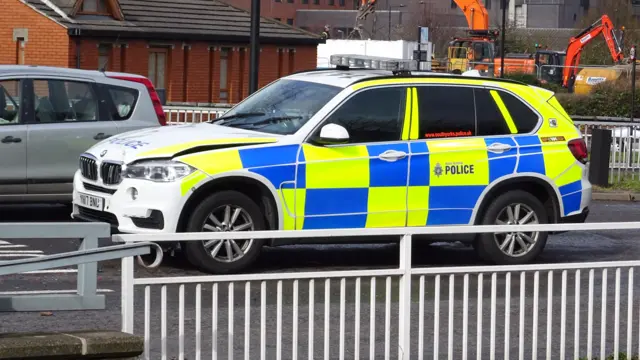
(476, 14)
(577, 43)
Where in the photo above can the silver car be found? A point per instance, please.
(49, 116)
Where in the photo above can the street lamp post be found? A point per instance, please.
(255, 46)
(502, 35)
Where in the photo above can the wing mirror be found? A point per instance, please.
(333, 134)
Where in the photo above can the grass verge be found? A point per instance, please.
(626, 183)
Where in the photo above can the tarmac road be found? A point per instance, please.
(571, 247)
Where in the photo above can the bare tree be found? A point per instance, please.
(621, 13)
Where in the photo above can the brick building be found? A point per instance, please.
(194, 51)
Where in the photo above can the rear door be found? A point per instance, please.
(66, 122)
(449, 169)
(13, 139)
(128, 104)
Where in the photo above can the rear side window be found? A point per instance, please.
(490, 119)
(446, 111)
(523, 117)
(121, 101)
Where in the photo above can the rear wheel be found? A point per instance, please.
(226, 211)
(513, 208)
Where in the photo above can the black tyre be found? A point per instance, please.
(512, 248)
(225, 211)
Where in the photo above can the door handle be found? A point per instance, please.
(392, 155)
(499, 148)
(10, 139)
(101, 136)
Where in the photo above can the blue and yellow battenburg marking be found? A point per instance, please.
(439, 182)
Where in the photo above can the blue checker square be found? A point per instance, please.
(570, 188)
(531, 163)
(301, 176)
(454, 197)
(336, 201)
(335, 222)
(529, 144)
(419, 167)
(501, 166)
(449, 217)
(270, 155)
(571, 202)
(277, 174)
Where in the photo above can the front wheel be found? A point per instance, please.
(225, 211)
(513, 208)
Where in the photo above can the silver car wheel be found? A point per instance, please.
(223, 219)
(516, 244)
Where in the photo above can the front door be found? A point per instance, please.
(13, 140)
(65, 124)
(362, 183)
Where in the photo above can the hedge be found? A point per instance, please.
(612, 98)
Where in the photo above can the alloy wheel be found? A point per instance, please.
(516, 244)
(228, 218)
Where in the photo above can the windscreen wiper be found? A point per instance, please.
(223, 119)
(274, 119)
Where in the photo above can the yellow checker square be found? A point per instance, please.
(190, 181)
(293, 201)
(557, 158)
(573, 174)
(458, 162)
(214, 163)
(336, 167)
(287, 199)
(387, 206)
(418, 205)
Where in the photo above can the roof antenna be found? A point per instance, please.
(104, 67)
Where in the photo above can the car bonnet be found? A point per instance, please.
(174, 140)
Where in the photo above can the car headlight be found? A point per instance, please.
(158, 171)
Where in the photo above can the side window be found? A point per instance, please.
(446, 111)
(64, 101)
(121, 101)
(374, 115)
(524, 118)
(490, 121)
(10, 102)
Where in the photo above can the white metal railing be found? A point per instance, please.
(177, 115)
(278, 315)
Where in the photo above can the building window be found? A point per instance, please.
(278, 1)
(94, 6)
(453, 4)
(341, 3)
(290, 1)
(224, 74)
(305, 1)
(332, 2)
(278, 19)
(316, 2)
(158, 67)
(104, 55)
(289, 21)
(487, 4)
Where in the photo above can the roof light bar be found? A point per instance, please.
(373, 62)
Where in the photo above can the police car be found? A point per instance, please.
(366, 144)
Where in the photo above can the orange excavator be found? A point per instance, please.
(561, 67)
(603, 26)
(476, 51)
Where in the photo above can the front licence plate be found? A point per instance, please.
(92, 202)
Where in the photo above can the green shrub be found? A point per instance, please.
(612, 98)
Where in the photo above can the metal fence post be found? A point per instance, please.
(127, 294)
(404, 306)
(88, 273)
